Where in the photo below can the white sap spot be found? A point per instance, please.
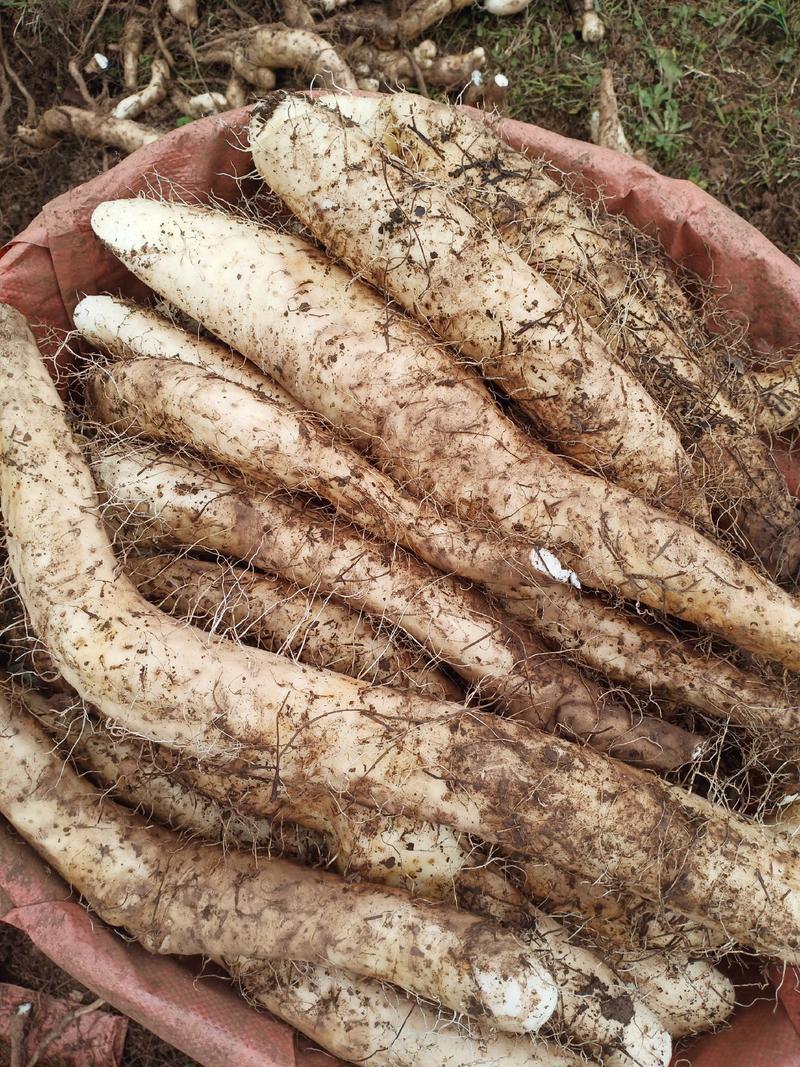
(476, 77)
(527, 1005)
(546, 562)
(329, 205)
(501, 81)
(101, 60)
(790, 799)
(24, 1009)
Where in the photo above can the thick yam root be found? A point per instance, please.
(277, 48)
(442, 265)
(179, 502)
(72, 121)
(179, 897)
(273, 614)
(153, 93)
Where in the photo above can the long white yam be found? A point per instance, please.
(639, 309)
(178, 897)
(278, 301)
(184, 504)
(455, 275)
(127, 330)
(365, 1022)
(274, 443)
(274, 614)
(433, 761)
(654, 661)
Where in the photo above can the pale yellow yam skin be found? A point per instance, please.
(127, 330)
(372, 357)
(364, 1022)
(181, 502)
(652, 660)
(276, 443)
(272, 613)
(688, 996)
(177, 897)
(453, 274)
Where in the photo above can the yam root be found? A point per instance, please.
(279, 47)
(60, 122)
(153, 93)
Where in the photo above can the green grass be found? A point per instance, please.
(710, 91)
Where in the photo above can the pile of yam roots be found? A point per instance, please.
(398, 612)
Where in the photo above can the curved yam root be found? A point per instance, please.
(60, 122)
(655, 662)
(153, 93)
(273, 614)
(268, 48)
(177, 897)
(364, 1022)
(421, 247)
(180, 502)
(393, 67)
(184, 11)
(196, 107)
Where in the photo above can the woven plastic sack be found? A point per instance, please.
(56, 260)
